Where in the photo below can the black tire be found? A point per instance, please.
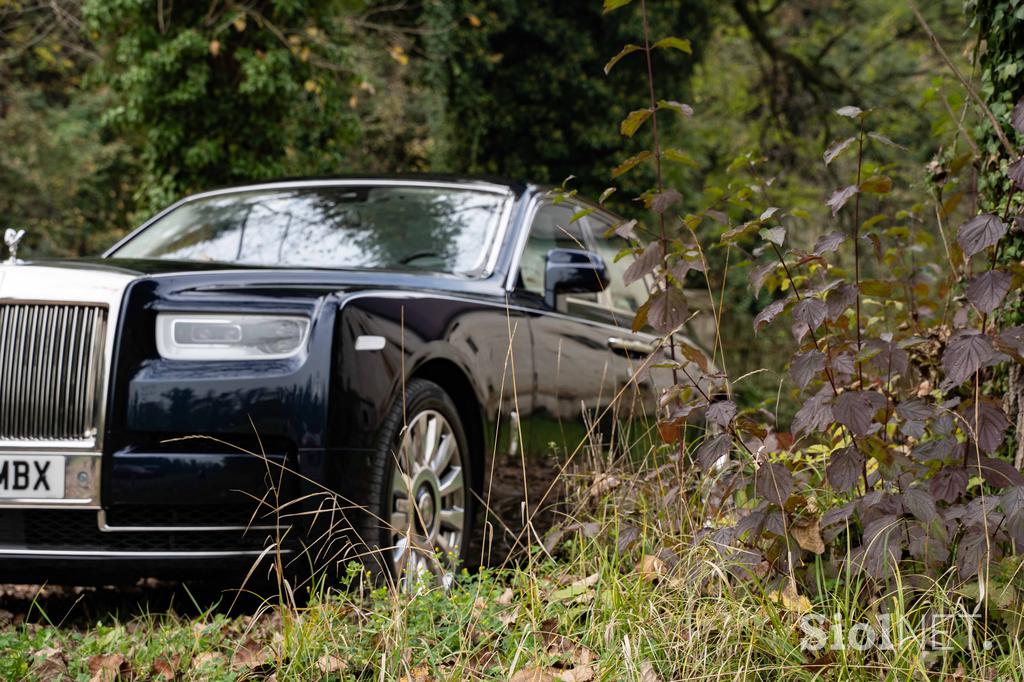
(375, 530)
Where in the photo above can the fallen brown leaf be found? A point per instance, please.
(651, 568)
(166, 668)
(50, 665)
(251, 654)
(808, 536)
(506, 597)
(648, 673)
(109, 668)
(329, 663)
(209, 658)
(533, 675)
(582, 673)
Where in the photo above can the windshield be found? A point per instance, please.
(442, 229)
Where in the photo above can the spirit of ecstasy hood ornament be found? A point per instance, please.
(12, 237)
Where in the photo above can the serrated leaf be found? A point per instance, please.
(815, 414)
(921, 504)
(987, 290)
(997, 473)
(837, 148)
(770, 312)
(827, 243)
(644, 264)
(627, 50)
(840, 299)
(673, 43)
(735, 234)
(712, 450)
(849, 111)
(979, 233)
(949, 484)
(877, 137)
(663, 200)
(759, 273)
(987, 423)
(844, 469)
(877, 184)
(840, 197)
(805, 366)
(631, 163)
(611, 5)
(775, 235)
(668, 310)
(1017, 116)
(678, 156)
(1015, 171)
(856, 410)
(808, 314)
(626, 230)
(721, 412)
(633, 121)
(678, 107)
(773, 482)
(970, 553)
(966, 353)
(915, 409)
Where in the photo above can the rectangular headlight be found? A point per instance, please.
(202, 336)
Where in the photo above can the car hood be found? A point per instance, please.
(198, 276)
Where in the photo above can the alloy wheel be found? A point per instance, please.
(427, 501)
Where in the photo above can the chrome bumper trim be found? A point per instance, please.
(107, 554)
(101, 519)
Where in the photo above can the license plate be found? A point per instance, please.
(31, 477)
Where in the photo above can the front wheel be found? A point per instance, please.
(421, 487)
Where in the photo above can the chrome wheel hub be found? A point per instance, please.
(427, 501)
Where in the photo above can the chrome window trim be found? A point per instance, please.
(486, 187)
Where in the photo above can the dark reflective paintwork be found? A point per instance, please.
(523, 376)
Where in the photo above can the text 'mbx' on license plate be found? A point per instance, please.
(31, 477)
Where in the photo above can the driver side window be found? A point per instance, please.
(552, 228)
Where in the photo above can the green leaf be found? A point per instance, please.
(678, 156)
(678, 107)
(612, 5)
(582, 213)
(878, 184)
(605, 194)
(673, 43)
(627, 50)
(633, 122)
(631, 163)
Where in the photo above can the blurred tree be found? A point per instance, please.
(523, 89)
(216, 93)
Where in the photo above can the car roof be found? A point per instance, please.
(517, 187)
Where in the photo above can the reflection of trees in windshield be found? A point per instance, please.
(357, 227)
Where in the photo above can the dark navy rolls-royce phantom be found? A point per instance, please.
(392, 370)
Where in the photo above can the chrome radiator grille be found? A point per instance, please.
(51, 364)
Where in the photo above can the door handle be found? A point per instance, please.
(631, 345)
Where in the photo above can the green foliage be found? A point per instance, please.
(524, 89)
(216, 94)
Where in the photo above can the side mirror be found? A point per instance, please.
(573, 271)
